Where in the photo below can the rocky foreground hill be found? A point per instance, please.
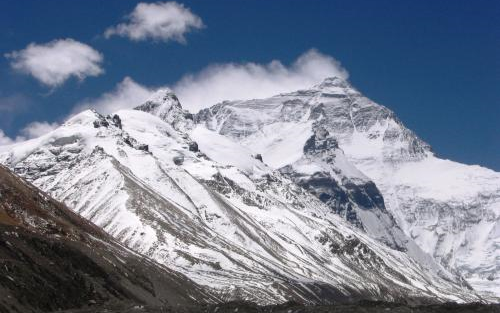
(53, 259)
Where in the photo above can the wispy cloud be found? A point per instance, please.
(54, 62)
(126, 95)
(211, 85)
(161, 21)
(4, 139)
(37, 129)
(251, 80)
(30, 131)
(228, 81)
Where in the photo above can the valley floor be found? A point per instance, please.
(362, 307)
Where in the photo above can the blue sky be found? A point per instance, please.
(435, 63)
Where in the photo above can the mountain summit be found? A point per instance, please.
(374, 172)
(165, 104)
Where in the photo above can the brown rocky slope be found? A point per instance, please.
(52, 259)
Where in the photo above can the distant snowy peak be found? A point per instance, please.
(165, 104)
(162, 104)
(280, 126)
(364, 128)
(302, 134)
(450, 210)
(334, 85)
(163, 95)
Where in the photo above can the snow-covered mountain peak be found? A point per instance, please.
(450, 210)
(82, 118)
(165, 104)
(332, 84)
(162, 95)
(160, 103)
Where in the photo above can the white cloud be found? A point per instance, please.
(126, 95)
(30, 131)
(250, 80)
(161, 21)
(225, 82)
(56, 61)
(4, 139)
(37, 129)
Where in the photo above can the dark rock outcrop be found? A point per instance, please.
(193, 146)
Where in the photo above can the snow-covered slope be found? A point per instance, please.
(294, 133)
(359, 159)
(451, 210)
(53, 260)
(203, 205)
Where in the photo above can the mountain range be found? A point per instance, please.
(314, 196)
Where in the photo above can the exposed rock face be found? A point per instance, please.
(222, 217)
(178, 159)
(117, 121)
(51, 258)
(258, 156)
(193, 146)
